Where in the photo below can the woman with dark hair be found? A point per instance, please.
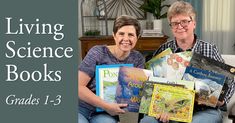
(126, 31)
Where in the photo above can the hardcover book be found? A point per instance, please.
(202, 62)
(146, 94)
(178, 102)
(208, 85)
(184, 83)
(106, 81)
(160, 55)
(130, 85)
(171, 66)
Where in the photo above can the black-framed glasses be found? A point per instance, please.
(183, 23)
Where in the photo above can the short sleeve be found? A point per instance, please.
(89, 62)
(140, 61)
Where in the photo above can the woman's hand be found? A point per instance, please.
(115, 109)
(164, 117)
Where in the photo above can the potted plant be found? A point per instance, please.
(155, 7)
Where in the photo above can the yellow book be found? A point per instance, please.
(178, 102)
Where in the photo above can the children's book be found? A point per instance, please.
(146, 96)
(148, 89)
(202, 62)
(185, 83)
(106, 81)
(171, 66)
(160, 55)
(178, 102)
(208, 85)
(130, 85)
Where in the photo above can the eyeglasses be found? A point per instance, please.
(183, 23)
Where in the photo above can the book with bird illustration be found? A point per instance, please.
(178, 102)
(203, 62)
(106, 81)
(208, 85)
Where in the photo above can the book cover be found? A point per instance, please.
(185, 83)
(178, 102)
(160, 55)
(159, 67)
(171, 66)
(146, 94)
(208, 85)
(106, 81)
(202, 62)
(130, 85)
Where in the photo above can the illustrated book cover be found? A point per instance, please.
(130, 85)
(202, 62)
(146, 94)
(106, 81)
(171, 66)
(167, 51)
(185, 83)
(178, 102)
(208, 85)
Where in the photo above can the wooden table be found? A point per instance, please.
(143, 44)
(231, 114)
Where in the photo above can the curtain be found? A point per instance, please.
(197, 5)
(218, 24)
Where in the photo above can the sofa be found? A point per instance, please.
(229, 59)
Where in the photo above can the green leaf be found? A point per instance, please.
(155, 7)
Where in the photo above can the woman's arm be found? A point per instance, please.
(88, 96)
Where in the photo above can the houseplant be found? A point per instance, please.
(155, 7)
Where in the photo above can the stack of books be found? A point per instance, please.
(171, 83)
(152, 33)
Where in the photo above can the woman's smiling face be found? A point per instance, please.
(126, 38)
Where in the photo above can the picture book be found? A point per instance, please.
(130, 85)
(160, 55)
(171, 66)
(167, 51)
(107, 80)
(208, 85)
(146, 96)
(178, 102)
(202, 62)
(185, 83)
(159, 67)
